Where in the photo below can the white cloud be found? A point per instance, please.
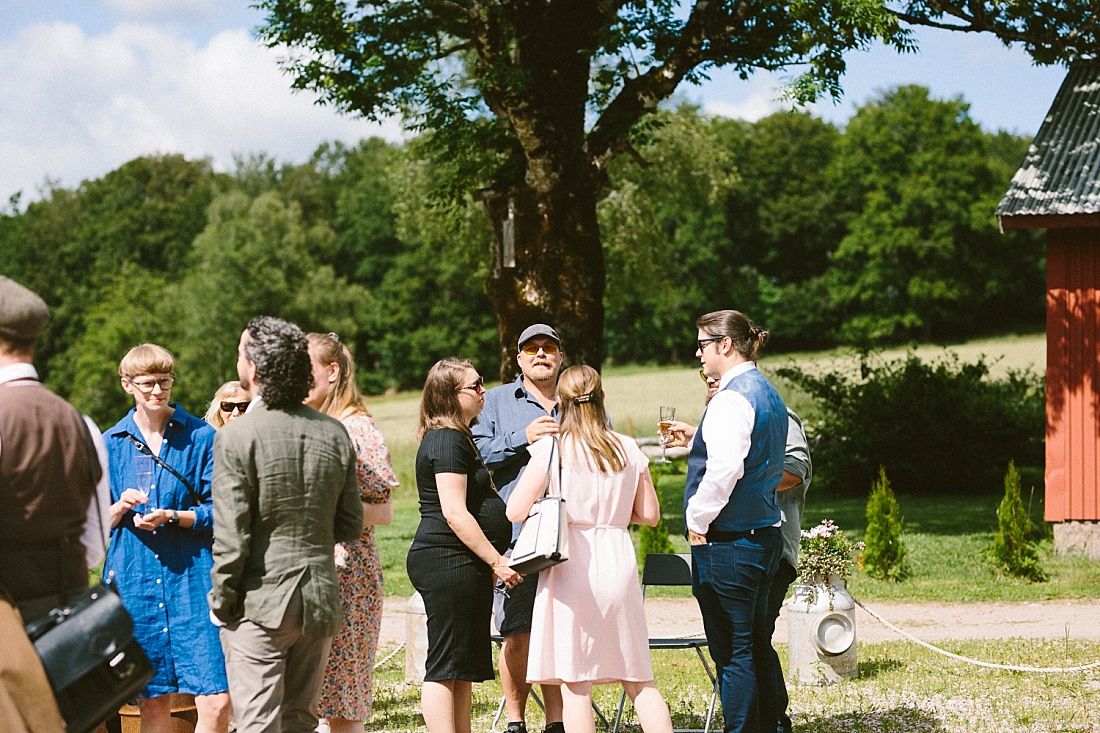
(77, 105)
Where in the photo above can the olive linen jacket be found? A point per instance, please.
(285, 492)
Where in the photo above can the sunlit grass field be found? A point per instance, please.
(945, 535)
(902, 687)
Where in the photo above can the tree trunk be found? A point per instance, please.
(548, 265)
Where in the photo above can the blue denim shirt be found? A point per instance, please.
(501, 435)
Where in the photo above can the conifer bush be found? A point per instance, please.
(1013, 551)
(884, 556)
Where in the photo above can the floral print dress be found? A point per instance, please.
(348, 690)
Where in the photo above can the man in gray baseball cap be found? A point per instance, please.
(51, 530)
(515, 416)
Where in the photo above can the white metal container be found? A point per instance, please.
(821, 633)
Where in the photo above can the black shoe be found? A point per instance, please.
(520, 727)
(558, 727)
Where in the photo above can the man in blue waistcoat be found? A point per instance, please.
(735, 463)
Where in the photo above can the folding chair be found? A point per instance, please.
(499, 641)
(669, 570)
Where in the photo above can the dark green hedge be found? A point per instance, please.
(938, 428)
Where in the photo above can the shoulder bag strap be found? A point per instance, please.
(145, 450)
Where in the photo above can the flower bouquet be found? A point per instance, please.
(825, 555)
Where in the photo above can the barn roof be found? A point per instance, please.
(1060, 176)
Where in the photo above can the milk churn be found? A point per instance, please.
(821, 633)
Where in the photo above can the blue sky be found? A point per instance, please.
(90, 84)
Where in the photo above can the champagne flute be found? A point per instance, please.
(668, 414)
(143, 472)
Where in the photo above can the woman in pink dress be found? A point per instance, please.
(347, 692)
(589, 626)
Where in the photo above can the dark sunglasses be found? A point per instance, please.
(230, 406)
(549, 348)
(477, 386)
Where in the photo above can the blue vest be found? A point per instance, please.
(753, 503)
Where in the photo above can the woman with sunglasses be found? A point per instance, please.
(347, 693)
(159, 558)
(231, 400)
(458, 546)
(589, 625)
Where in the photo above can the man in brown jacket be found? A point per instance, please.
(285, 491)
(50, 465)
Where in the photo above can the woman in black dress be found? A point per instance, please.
(458, 545)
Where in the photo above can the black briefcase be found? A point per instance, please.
(91, 658)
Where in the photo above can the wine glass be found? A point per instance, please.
(668, 414)
(143, 472)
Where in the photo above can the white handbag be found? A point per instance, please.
(544, 539)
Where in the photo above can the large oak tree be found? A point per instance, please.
(548, 92)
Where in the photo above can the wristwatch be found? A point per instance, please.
(175, 517)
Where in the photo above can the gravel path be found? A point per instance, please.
(926, 621)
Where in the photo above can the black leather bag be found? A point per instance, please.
(91, 658)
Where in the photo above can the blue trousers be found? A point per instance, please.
(732, 583)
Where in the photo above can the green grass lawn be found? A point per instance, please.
(901, 687)
(945, 535)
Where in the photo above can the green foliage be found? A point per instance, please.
(941, 427)
(884, 555)
(922, 256)
(1013, 552)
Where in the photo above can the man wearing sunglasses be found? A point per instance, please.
(517, 415)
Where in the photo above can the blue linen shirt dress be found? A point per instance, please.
(163, 576)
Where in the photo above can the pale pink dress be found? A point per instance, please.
(589, 624)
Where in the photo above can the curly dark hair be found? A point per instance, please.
(280, 352)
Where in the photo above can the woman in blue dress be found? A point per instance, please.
(162, 530)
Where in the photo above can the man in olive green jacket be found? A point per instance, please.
(285, 491)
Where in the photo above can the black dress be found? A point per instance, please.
(456, 585)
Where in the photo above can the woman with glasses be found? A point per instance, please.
(346, 694)
(458, 547)
(230, 401)
(589, 625)
(159, 558)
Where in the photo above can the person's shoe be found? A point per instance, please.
(558, 727)
(514, 727)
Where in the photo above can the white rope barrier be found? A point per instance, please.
(968, 660)
(390, 656)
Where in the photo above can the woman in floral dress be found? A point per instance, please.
(346, 696)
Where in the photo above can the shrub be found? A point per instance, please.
(654, 539)
(1013, 552)
(942, 427)
(884, 556)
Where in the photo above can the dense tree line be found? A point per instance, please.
(879, 232)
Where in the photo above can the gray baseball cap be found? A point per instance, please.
(537, 329)
(23, 315)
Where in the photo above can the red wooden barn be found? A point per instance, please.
(1058, 189)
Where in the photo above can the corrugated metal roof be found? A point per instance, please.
(1061, 173)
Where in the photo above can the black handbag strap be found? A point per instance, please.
(196, 500)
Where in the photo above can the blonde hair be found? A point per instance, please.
(146, 359)
(584, 419)
(214, 410)
(345, 394)
(439, 406)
